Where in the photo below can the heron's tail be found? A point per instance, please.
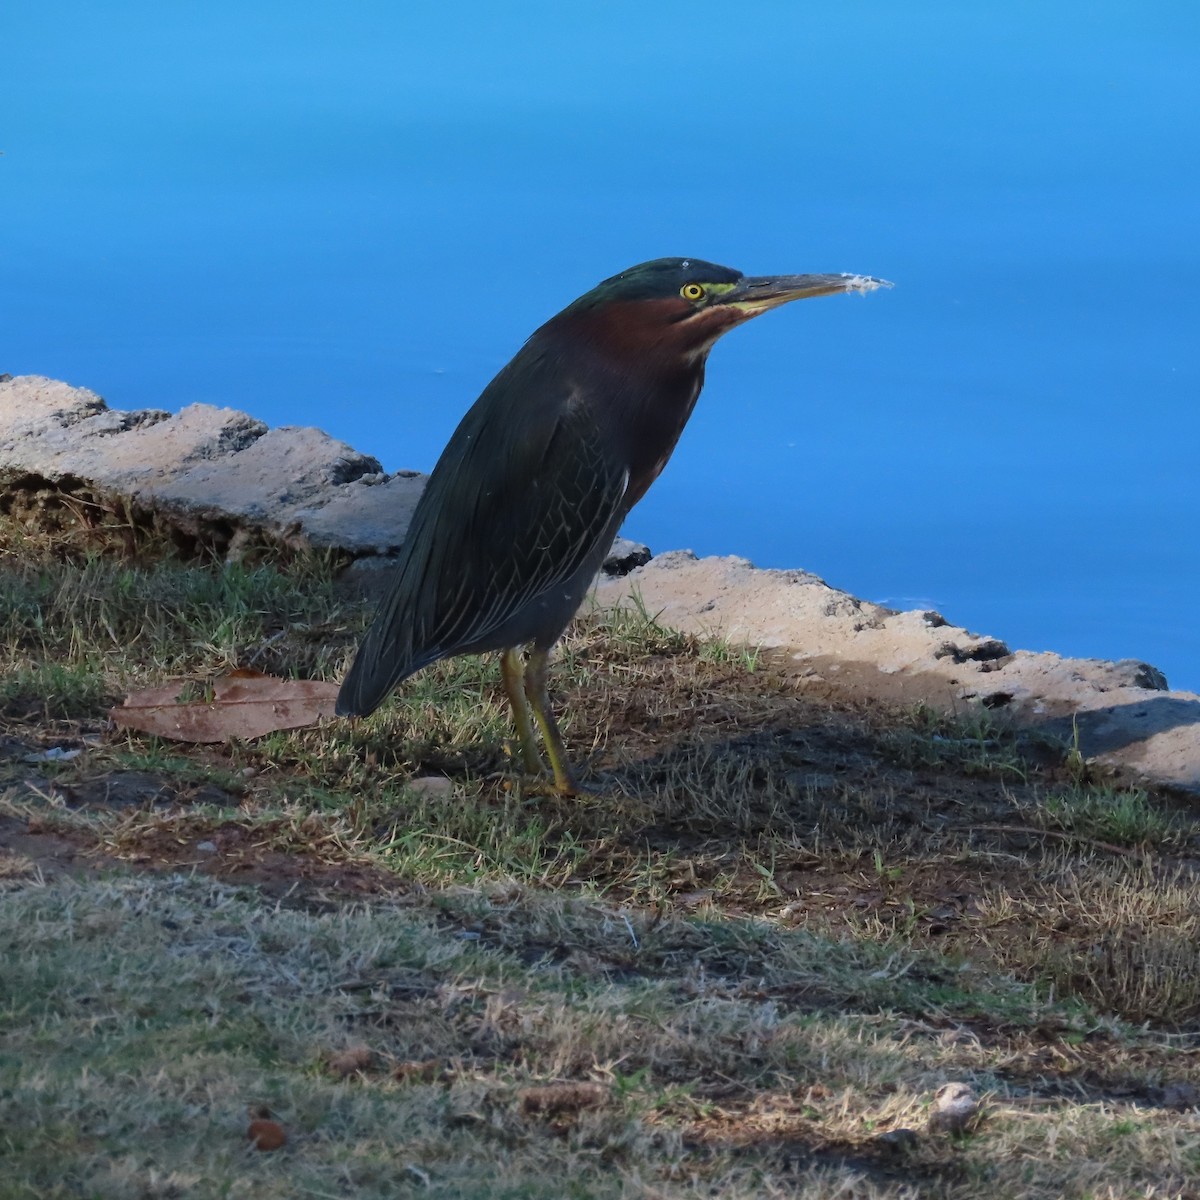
(385, 658)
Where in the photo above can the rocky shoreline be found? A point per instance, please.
(217, 480)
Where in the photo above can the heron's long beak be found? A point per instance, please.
(757, 293)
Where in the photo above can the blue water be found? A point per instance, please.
(352, 215)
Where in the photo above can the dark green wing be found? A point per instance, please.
(515, 509)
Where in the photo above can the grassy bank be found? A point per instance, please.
(743, 966)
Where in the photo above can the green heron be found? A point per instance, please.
(532, 488)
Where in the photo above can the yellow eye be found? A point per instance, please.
(692, 291)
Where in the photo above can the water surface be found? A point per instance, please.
(351, 217)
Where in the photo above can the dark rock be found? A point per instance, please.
(625, 556)
(899, 1141)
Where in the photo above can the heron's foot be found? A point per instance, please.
(538, 784)
(571, 790)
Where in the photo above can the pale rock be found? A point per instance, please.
(1120, 712)
(214, 469)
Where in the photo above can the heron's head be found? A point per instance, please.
(678, 307)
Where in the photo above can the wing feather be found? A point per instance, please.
(515, 509)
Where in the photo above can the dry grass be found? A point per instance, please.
(147, 1017)
(781, 922)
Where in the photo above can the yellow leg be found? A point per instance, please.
(539, 701)
(513, 673)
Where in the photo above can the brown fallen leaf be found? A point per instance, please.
(423, 1070)
(266, 1135)
(350, 1061)
(555, 1099)
(242, 705)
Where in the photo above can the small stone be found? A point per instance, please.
(206, 847)
(899, 1141)
(625, 556)
(954, 1108)
(54, 754)
(434, 787)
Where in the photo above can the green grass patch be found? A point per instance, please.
(974, 742)
(125, 624)
(1126, 816)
